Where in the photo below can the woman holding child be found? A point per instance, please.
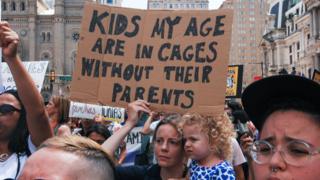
(169, 148)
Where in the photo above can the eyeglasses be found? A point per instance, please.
(7, 108)
(296, 153)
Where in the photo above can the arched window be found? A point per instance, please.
(48, 36)
(4, 6)
(22, 6)
(43, 36)
(13, 6)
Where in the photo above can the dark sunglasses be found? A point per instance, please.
(7, 108)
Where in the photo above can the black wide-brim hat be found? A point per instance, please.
(258, 96)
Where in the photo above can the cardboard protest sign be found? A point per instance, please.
(234, 81)
(37, 70)
(89, 111)
(176, 60)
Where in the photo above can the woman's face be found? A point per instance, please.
(98, 138)
(168, 148)
(283, 127)
(9, 120)
(51, 108)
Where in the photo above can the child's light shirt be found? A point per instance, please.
(221, 171)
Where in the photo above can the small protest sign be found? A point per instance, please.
(234, 81)
(89, 111)
(176, 60)
(37, 70)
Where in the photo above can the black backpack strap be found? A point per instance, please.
(28, 152)
(19, 166)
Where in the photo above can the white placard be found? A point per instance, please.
(37, 70)
(89, 111)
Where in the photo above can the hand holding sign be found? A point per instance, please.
(135, 109)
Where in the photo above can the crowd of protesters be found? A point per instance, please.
(272, 134)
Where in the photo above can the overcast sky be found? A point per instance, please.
(142, 4)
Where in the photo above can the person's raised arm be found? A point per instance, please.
(37, 118)
(134, 109)
(146, 127)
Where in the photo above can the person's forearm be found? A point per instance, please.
(30, 96)
(146, 127)
(37, 118)
(113, 142)
(250, 169)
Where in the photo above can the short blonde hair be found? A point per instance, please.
(88, 150)
(218, 130)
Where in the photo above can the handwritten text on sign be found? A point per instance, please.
(176, 60)
(89, 111)
(37, 70)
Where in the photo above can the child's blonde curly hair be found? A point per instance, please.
(218, 129)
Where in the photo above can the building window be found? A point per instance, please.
(43, 37)
(48, 36)
(298, 45)
(75, 36)
(290, 57)
(22, 6)
(4, 6)
(290, 49)
(13, 6)
(170, 6)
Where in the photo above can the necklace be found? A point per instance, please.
(4, 157)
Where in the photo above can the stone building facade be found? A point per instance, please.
(313, 50)
(49, 34)
(292, 46)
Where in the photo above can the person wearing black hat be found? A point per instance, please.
(24, 123)
(286, 111)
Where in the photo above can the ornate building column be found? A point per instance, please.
(32, 30)
(59, 45)
(32, 37)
